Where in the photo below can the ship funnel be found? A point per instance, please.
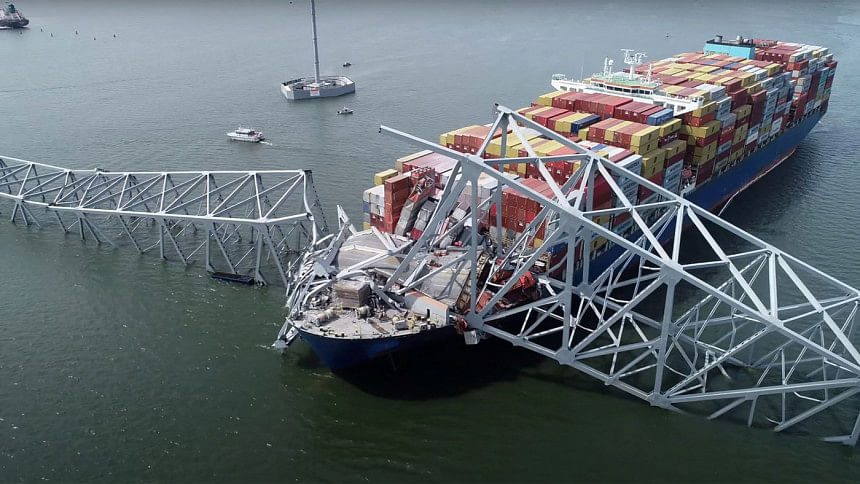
(740, 39)
(718, 38)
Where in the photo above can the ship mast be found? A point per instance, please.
(316, 50)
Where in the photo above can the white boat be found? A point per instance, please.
(344, 110)
(246, 134)
(317, 86)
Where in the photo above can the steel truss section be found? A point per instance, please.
(249, 222)
(693, 314)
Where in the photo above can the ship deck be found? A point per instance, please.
(421, 310)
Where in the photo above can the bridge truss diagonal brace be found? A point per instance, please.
(259, 221)
(651, 322)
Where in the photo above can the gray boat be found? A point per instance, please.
(316, 86)
(10, 17)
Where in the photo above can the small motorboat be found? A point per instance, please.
(344, 110)
(246, 134)
(347, 64)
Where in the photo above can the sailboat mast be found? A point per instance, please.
(316, 50)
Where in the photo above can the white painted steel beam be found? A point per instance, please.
(679, 305)
(260, 220)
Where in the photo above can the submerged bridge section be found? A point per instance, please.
(253, 223)
(686, 312)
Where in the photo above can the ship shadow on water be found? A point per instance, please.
(451, 368)
(441, 370)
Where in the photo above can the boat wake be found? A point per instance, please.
(266, 143)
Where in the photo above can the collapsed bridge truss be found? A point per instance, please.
(691, 314)
(242, 222)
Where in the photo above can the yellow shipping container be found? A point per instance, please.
(653, 162)
(743, 111)
(707, 129)
(539, 110)
(546, 99)
(366, 225)
(754, 88)
(598, 243)
(644, 148)
(536, 145)
(601, 219)
(583, 133)
(672, 89)
(670, 127)
(563, 124)
(448, 138)
(699, 160)
(548, 147)
(513, 145)
(398, 164)
(705, 68)
(674, 147)
(379, 178)
(746, 78)
(709, 149)
(709, 78)
(736, 155)
(772, 69)
(707, 108)
(740, 134)
(521, 169)
(610, 132)
(645, 136)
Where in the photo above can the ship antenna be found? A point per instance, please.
(650, 65)
(316, 50)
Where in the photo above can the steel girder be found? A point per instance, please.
(691, 314)
(252, 222)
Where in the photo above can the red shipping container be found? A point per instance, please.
(739, 99)
(704, 172)
(673, 80)
(568, 101)
(675, 159)
(644, 191)
(544, 116)
(699, 121)
(702, 142)
(620, 218)
(632, 111)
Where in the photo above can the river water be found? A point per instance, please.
(118, 367)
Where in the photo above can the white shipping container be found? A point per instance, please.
(776, 125)
(377, 195)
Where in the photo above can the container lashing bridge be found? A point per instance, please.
(256, 223)
(693, 315)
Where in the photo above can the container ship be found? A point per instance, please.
(704, 125)
(10, 17)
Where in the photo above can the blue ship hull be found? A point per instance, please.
(339, 353)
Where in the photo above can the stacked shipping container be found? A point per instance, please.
(745, 103)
